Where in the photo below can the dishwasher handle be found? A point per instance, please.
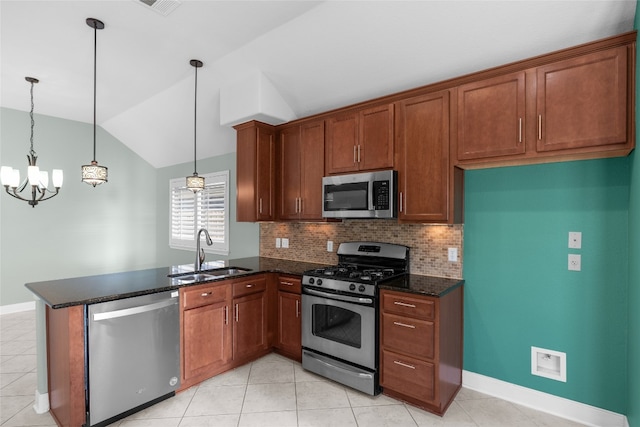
(134, 310)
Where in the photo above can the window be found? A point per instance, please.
(208, 209)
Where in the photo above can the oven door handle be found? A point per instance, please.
(339, 297)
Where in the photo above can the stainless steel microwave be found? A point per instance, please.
(360, 195)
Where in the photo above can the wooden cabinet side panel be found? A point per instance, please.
(582, 102)
(450, 344)
(422, 137)
(312, 164)
(376, 148)
(65, 365)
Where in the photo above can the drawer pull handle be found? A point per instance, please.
(237, 313)
(226, 314)
(404, 304)
(287, 283)
(404, 325)
(205, 294)
(250, 285)
(404, 364)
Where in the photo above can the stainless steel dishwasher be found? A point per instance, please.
(133, 355)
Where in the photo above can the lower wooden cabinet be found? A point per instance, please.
(249, 324)
(289, 342)
(421, 348)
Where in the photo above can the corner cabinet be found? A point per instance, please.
(250, 318)
(289, 335)
(429, 190)
(301, 154)
(360, 140)
(255, 172)
(421, 348)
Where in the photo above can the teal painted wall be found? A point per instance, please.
(519, 292)
(83, 230)
(244, 238)
(633, 395)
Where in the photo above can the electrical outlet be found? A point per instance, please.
(575, 240)
(329, 245)
(278, 242)
(453, 254)
(285, 242)
(574, 262)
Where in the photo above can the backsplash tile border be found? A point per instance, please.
(429, 243)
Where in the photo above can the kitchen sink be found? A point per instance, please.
(204, 275)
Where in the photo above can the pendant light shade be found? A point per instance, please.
(94, 174)
(195, 183)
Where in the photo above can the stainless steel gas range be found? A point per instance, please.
(340, 312)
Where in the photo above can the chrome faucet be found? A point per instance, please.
(200, 252)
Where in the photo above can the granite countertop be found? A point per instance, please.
(423, 285)
(108, 287)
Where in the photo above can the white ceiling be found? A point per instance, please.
(319, 55)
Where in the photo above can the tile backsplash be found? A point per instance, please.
(308, 242)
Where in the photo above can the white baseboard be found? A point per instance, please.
(17, 308)
(41, 404)
(544, 402)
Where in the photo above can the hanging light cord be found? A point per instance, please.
(32, 151)
(95, 48)
(195, 120)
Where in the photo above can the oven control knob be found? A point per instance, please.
(361, 288)
(311, 280)
(352, 287)
(319, 282)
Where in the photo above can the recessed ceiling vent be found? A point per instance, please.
(163, 7)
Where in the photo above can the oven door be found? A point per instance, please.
(340, 326)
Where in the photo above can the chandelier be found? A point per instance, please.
(195, 183)
(94, 174)
(38, 180)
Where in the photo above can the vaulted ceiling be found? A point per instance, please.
(316, 55)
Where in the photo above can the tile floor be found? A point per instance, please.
(272, 391)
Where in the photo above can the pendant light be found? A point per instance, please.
(37, 179)
(195, 183)
(94, 174)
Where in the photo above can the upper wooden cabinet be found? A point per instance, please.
(491, 115)
(583, 102)
(426, 182)
(568, 109)
(301, 153)
(255, 172)
(360, 140)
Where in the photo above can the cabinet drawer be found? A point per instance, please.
(408, 376)
(249, 286)
(289, 284)
(202, 295)
(410, 336)
(408, 305)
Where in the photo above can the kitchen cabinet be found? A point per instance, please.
(301, 150)
(249, 318)
(255, 172)
(206, 331)
(565, 109)
(421, 347)
(429, 190)
(360, 140)
(289, 317)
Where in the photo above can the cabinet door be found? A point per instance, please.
(422, 141)
(290, 173)
(249, 330)
(206, 339)
(375, 149)
(582, 102)
(265, 174)
(342, 141)
(491, 117)
(289, 326)
(312, 170)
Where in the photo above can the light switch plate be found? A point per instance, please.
(278, 242)
(285, 242)
(575, 239)
(453, 254)
(329, 245)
